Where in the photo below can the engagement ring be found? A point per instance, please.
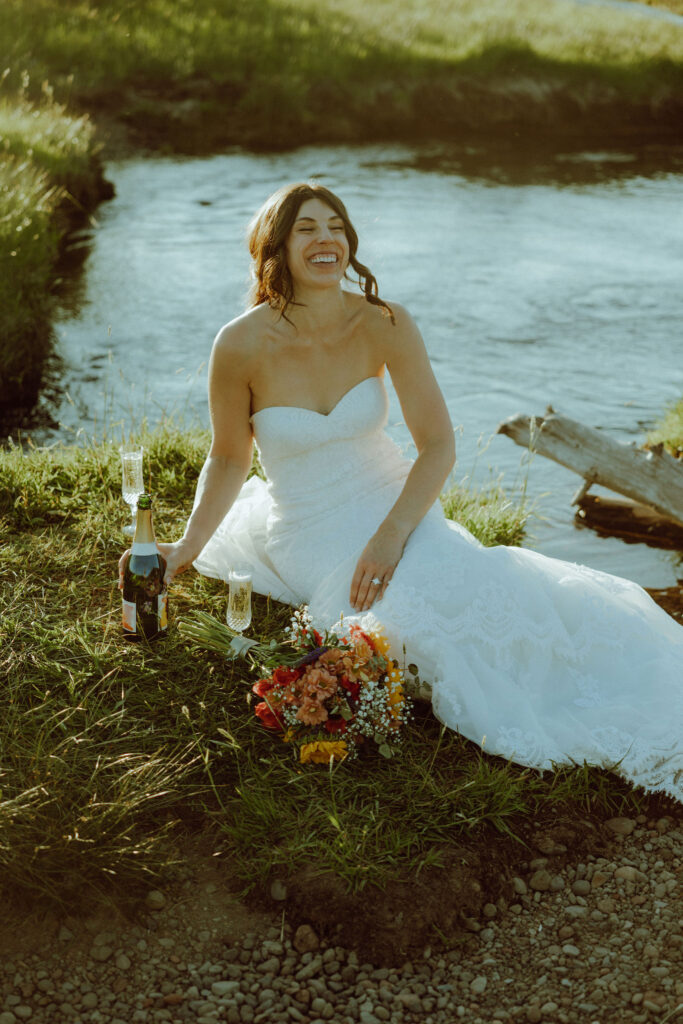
(378, 583)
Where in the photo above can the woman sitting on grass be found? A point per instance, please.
(546, 661)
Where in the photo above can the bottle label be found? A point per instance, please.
(129, 616)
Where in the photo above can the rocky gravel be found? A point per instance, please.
(590, 941)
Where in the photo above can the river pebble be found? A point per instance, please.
(598, 940)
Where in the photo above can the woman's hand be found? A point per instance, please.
(178, 558)
(380, 557)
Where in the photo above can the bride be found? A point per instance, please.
(539, 660)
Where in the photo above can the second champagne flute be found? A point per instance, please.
(238, 615)
(131, 480)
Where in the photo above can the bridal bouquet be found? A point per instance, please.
(324, 693)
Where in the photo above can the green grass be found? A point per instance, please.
(488, 513)
(49, 176)
(198, 74)
(110, 753)
(669, 430)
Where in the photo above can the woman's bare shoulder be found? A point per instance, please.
(392, 327)
(246, 328)
(241, 340)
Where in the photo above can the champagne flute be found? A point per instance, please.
(238, 615)
(131, 480)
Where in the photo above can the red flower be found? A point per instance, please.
(283, 676)
(335, 725)
(318, 638)
(270, 720)
(368, 639)
(352, 689)
(263, 686)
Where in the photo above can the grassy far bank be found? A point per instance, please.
(50, 178)
(197, 74)
(110, 753)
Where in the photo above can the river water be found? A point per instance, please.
(551, 279)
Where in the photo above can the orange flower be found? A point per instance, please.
(331, 657)
(311, 713)
(319, 682)
(362, 652)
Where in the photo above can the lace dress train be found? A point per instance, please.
(537, 659)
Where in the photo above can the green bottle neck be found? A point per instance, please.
(144, 531)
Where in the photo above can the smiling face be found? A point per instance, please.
(317, 248)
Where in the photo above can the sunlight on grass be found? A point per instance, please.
(669, 430)
(111, 41)
(307, 58)
(110, 752)
(47, 176)
(488, 513)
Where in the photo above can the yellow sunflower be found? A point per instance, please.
(320, 751)
(395, 680)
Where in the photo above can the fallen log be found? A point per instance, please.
(629, 520)
(670, 599)
(651, 477)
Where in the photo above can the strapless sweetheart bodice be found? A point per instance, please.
(305, 453)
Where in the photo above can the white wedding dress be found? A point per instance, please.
(538, 660)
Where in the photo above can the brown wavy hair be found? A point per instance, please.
(267, 238)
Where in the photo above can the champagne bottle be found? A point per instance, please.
(145, 597)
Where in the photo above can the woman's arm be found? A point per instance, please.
(426, 416)
(229, 460)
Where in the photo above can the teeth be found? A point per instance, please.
(331, 258)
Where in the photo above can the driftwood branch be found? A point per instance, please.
(633, 522)
(651, 477)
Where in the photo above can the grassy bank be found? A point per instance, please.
(50, 178)
(669, 430)
(198, 75)
(110, 754)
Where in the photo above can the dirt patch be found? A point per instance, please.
(205, 898)
(439, 904)
(388, 925)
